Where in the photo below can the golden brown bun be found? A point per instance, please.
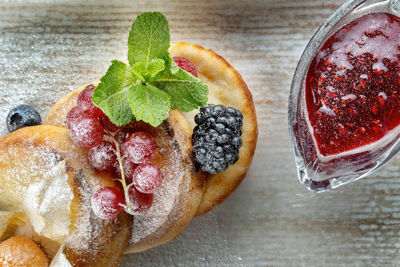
(175, 159)
(26, 155)
(21, 251)
(226, 87)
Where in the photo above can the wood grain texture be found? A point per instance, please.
(50, 48)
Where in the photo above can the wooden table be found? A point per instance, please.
(50, 48)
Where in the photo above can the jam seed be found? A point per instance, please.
(374, 110)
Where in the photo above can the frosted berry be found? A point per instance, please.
(140, 147)
(22, 116)
(107, 124)
(102, 157)
(185, 64)
(216, 138)
(73, 115)
(107, 202)
(129, 168)
(86, 131)
(147, 177)
(123, 134)
(140, 202)
(85, 101)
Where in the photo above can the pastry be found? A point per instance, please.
(181, 189)
(20, 251)
(179, 198)
(129, 145)
(226, 87)
(44, 175)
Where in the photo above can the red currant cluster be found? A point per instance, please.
(122, 151)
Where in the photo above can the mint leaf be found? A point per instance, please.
(149, 39)
(112, 93)
(149, 103)
(152, 83)
(149, 73)
(186, 91)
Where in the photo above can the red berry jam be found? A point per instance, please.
(353, 84)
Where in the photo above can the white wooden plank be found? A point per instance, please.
(49, 48)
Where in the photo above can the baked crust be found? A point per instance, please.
(226, 87)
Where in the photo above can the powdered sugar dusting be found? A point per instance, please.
(23, 164)
(166, 197)
(47, 203)
(86, 226)
(60, 260)
(147, 177)
(203, 243)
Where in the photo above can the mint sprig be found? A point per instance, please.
(152, 83)
(112, 93)
(149, 103)
(149, 38)
(186, 91)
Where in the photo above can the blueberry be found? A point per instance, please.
(22, 116)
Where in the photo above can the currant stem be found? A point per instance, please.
(127, 207)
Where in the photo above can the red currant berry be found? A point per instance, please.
(73, 115)
(86, 131)
(108, 124)
(185, 64)
(123, 134)
(85, 101)
(102, 157)
(147, 177)
(107, 202)
(140, 147)
(129, 168)
(139, 201)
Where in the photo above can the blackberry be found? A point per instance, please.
(22, 116)
(216, 138)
